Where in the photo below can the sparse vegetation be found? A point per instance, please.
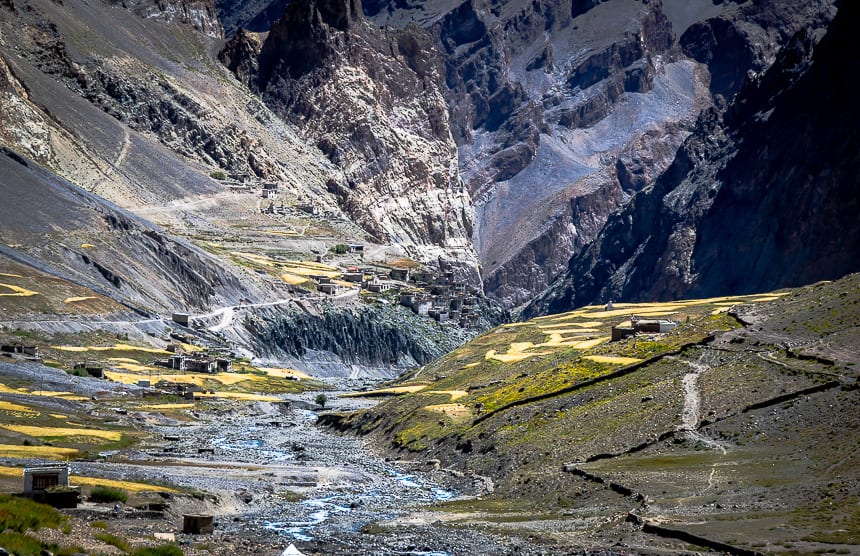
(22, 514)
(163, 550)
(106, 494)
(19, 515)
(113, 540)
(218, 175)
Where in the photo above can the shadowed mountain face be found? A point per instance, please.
(560, 110)
(763, 195)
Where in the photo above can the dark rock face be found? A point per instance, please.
(251, 15)
(382, 338)
(240, 55)
(761, 196)
(746, 40)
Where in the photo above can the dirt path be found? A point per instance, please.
(691, 412)
(126, 146)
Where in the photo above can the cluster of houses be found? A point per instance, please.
(441, 297)
(194, 362)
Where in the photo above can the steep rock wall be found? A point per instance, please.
(372, 101)
(761, 196)
(356, 342)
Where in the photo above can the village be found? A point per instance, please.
(437, 294)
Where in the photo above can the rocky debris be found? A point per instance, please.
(268, 486)
(775, 216)
(199, 14)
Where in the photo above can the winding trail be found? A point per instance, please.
(228, 313)
(690, 414)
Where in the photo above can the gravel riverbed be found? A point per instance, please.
(270, 477)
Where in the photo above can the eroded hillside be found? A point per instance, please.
(736, 430)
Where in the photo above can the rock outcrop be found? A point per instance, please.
(350, 342)
(199, 14)
(372, 100)
(761, 196)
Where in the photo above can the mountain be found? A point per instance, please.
(561, 111)
(762, 194)
(482, 143)
(136, 165)
(372, 101)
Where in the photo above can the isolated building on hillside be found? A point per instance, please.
(647, 326)
(42, 478)
(400, 274)
(20, 349)
(181, 318)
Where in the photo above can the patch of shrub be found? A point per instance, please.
(21, 514)
(98, 525)
(163, 550)
(20, 544)
(218, 175)
(108, 494)
(113, 540)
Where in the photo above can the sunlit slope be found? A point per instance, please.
(547, 356)
(744, 413)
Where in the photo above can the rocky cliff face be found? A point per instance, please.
(372, 101)
(547, 101)
(199, 14)
(558, 105)
(374, 341)
(761, 196)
